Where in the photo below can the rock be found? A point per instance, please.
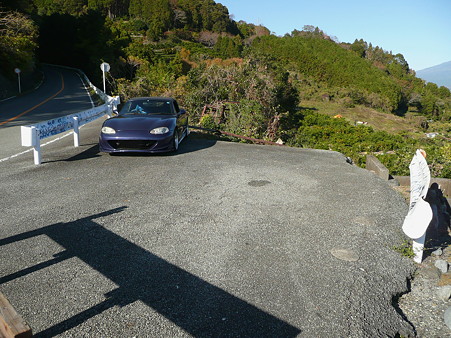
(431, 273)
(437, 252)
(447, 317)
(442, 265)
(445, 279)
(444, 293)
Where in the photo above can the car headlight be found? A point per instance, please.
(108, 130)
(160, 130)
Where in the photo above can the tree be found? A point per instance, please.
(18, 36)
(207, 15)
(24, 6)
(112, 8)
(156, 13)
(399, 58)
(227, 47)
(77, 41)
(428, 105)
(72, 7)
(309, 28)
(359, 47)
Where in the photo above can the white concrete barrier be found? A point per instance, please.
(420, 213)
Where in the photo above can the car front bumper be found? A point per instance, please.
(139, 142)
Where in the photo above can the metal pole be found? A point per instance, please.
(18, 78)
(104, 86)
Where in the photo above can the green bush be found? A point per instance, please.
(405, 249)
(207, 121)
(309, 129)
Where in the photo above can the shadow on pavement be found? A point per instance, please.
(196, 306)
(91, 152)
(187, 146)
(438, 231)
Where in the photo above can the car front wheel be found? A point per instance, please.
(175, 141)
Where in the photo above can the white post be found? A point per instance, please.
(36, 145)
(418, 247)
(76, 132)
(110, 109)
(420, 212)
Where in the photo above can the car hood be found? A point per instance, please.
(136, 122)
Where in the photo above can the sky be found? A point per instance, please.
(418, 29)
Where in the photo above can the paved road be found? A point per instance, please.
(220, 239)
(61, 93)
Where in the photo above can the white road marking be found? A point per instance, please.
(87, 91)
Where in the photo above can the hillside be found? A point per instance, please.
(440, 74)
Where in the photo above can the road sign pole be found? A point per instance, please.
(105, 67)
(17, 70)
(104, 84)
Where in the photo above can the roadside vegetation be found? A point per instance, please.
(305, 88)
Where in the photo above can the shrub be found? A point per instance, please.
(207, 121)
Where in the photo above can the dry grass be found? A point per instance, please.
(378, 120)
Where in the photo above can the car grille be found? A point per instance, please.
(131, 144)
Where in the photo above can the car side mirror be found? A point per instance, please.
(182, 112)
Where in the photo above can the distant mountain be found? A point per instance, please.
(440, 74)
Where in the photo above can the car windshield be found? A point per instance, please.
(147, 107)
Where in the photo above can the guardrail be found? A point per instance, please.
(32, 135)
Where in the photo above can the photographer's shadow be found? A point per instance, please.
(193, 304)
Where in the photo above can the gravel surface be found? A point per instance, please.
(422, 306)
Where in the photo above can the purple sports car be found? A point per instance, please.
(145, 124)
